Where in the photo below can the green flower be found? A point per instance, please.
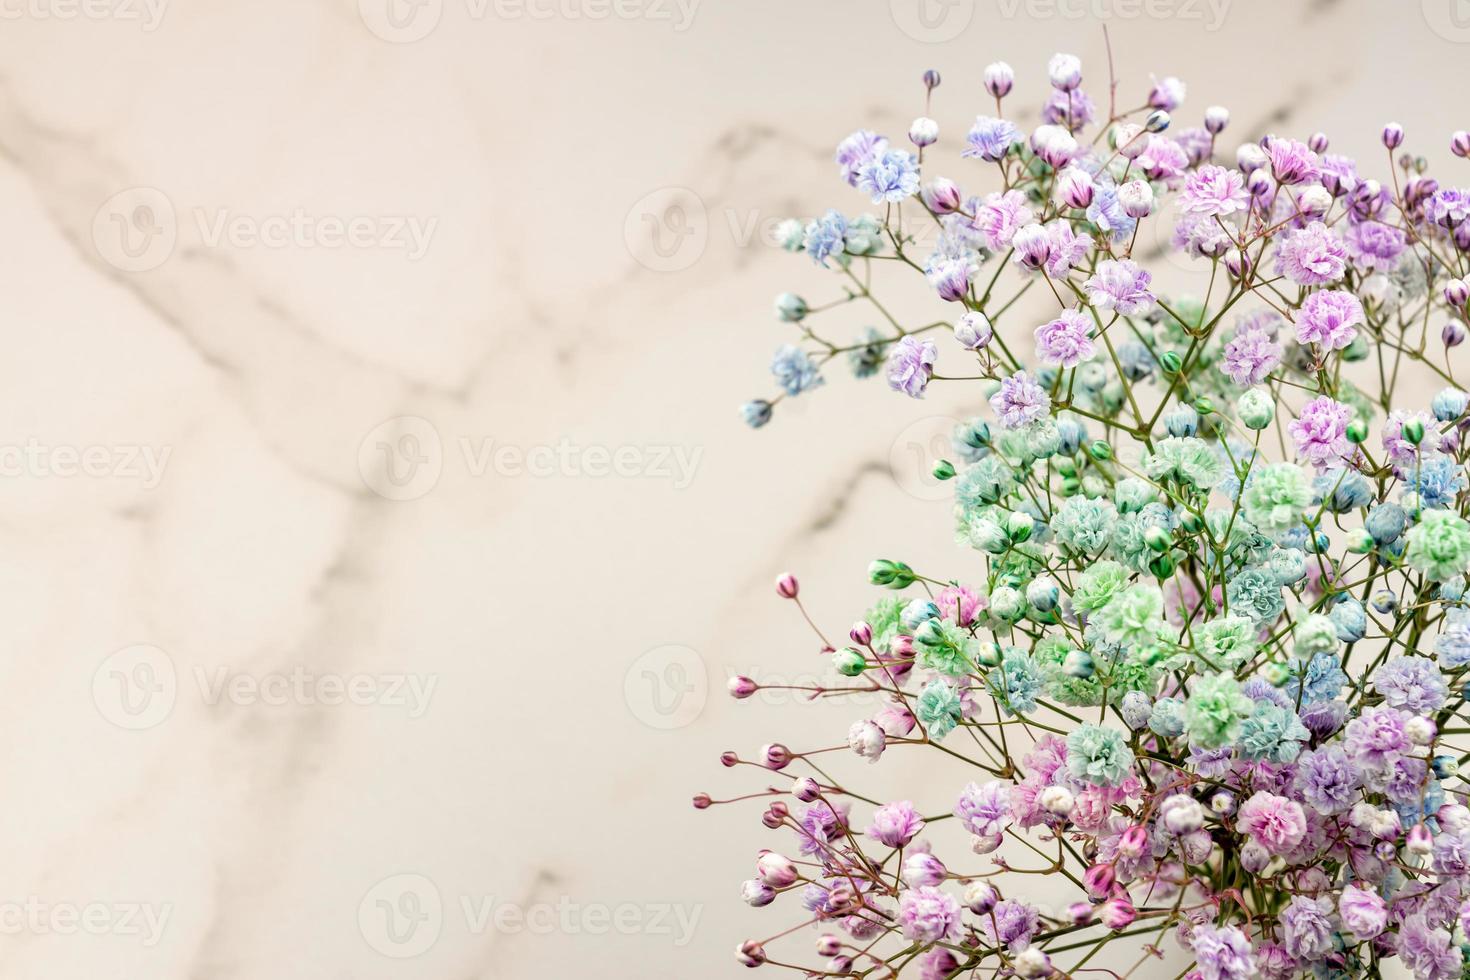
(1084, 525)
(1132, 494)
(989, 480)
(1187, 460)
(884, 620)
(1224, 643)
(1272, 733)
(1439, 545)
(864, 235)
(938, 709)
(1129, 537)
(1313, 634)
(1274, 498)
(1215, 710)
(1097, 586)
(945, 647)
(1256, 593)
(1099, 756)
(1133, 617)
(1051, 657)
(1167, 718)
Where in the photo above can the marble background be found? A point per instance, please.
(379, 528)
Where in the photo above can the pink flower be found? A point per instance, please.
(1250, 356)
(895, 824)
(1121, 285)
(1000, 216)
(1329, 318)
(1213, 190)
(927, 915)
(1274, 822)
(1320, 432)
(1312, 256)
(1067, 340)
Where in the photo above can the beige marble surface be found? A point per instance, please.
(375, 511)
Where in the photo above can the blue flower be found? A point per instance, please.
(1324, 680)
(1437, 479)
(890, 177)
(794, 370)
(825, 236)
(756, 413)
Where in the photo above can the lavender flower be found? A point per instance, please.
(1250, 356)
(1320, 432)
(889, 177)
(1212, 191)
(991, 139)
(911, 365)
(1065, 341)
(1120, 285)
(1312, 256)
(1329, 319)
(1020, 401)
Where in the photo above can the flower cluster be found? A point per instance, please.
(1206, 666)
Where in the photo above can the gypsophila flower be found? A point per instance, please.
(1329, 319)
(991, 139)
(794, 370)
(824, 237)
(927, 914)
(1065, 341)
(1250, 356)
(1439, 545)
(1120, 285)
(1222, 953)
(1273, 501)
(1312, 256)
(1020, 401)
(1320, 432)
(889, 177)
(1411, 683)
(1213, 191)
(911, 365)
(1098, 755)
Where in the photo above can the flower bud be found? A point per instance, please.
(1314, 200)
(1317, 143)
(1449, 404)
(849, 662)
(1166, 94)
(985, 843)
(1182, 814)
(742, 688)
(1357, 431)
(775, 756)
(1078, 663)
(1157, 121)
(1075, 187)
(1042, 593)
(1099, 880)
(923, 131)
(729, 759)
(790, 307)
(1064, 71)
(1255, 408)
(1054, 145)
(942, 196)
(1130, 140)
(750, 953)
(1420, 730)
(757, 893)
(1420, 841)
(980, 897)
(1254, 857)
(1057, 800)
(1453, 333)
(1393, 135)
(786, 586)
(867, 740)
(1457, 293)
(1032, 245)
(1032, 963)
(702, 801)
(1413, 431)
(931, 80)
(1358, 541)
(1117, 913)
(775, 869)
(1249, 157)
(861, 634)
(1217, 117)
(922, 868)
(805, 789)
(999, 78)
(1460, 143)
(828, 945)
(974, 331)
(1385, 825)
(1222, 803)
(1136, 197)
(893, 574)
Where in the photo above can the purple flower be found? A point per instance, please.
(1121, 285)
(1363, 912)
(911, 365)
(1250, 356)
(1072, 109)
(1320, 431)
(1000, 216)
(1307, 927)
(1402, 452)
(1327, 780)
(1329, 318)
(1429, 952)
(1292, 162)
(1274, 822)
(1312, 256)
(950, 277)
(1020, 401)
(1374, 246)
(1199, 236)
(927, 915)
(1411, 683)
(1222, 953)
(1163, 159)
(1012, 922)
(1068, 249)
(984, 810)
(1449, 207)
(821, 824)
(854, 153)
(1376, 737)
(991, 138)
(1067, 340)
(1213, 190)
(895, 824)
(889, 176)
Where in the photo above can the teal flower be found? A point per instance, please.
(1134, 617)
(1051, 657)
(1186, 460)
(1439, 545)
(1132, 494)
(1256, 593)
(1016, 682)
(1224, 643)
(1167, 718)
(989, 480)
(945, 647)
(1129, 544)
(1085, 525)
(884, 620)
(1097, 586)
(938, 709)
(1275, 497)
(1215, 710)
(1272, 733)
(1098, 756)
